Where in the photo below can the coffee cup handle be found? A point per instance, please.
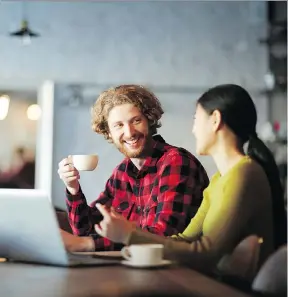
(125, 253)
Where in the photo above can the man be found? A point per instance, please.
(157, 186)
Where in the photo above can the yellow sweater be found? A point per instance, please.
(234, 206)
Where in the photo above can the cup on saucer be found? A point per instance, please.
(144, 255)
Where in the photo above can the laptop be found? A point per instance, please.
(29, 232)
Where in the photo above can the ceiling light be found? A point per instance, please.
(33, 112)
(4, 106)
(25, 33)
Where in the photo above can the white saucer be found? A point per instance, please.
(131, 264)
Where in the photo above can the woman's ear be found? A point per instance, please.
(216, 118)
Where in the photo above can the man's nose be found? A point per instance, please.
(129, 131)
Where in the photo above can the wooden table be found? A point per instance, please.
(18, 279)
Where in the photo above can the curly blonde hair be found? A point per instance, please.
(137, 95)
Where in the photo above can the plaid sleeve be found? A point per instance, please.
(104, 244)
(181, 184)
(83, 217)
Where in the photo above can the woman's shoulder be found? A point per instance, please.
(246, 173)
(250, 169)
(250, 175)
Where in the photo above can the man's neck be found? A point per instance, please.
(138, 162)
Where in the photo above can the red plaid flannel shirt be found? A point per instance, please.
(161, 197)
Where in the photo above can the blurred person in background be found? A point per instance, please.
(22, 173)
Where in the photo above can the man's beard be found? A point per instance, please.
(141, 151)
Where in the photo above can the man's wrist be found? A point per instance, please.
(73, 191)
(128, 234)
(86, 244)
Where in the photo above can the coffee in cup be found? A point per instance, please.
(85, 162)
(143, 254)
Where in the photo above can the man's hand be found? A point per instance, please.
(114, 226)
(74, 243)
(69, 174)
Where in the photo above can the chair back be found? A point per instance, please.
(272, 277)
(243, 261)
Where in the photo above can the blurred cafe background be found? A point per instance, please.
(56, 57)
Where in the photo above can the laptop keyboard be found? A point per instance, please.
(90, 260)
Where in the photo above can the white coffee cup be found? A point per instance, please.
(85, 162)
(143, 254)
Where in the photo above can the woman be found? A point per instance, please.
(244, 197)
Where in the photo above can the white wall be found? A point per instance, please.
(163, 42)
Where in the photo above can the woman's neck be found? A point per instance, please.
(225, 157)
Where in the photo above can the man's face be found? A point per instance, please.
(129, 130)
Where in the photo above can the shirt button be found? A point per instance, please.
(138, 209)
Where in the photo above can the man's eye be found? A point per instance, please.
(137, 121)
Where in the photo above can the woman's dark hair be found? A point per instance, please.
(238, 112)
